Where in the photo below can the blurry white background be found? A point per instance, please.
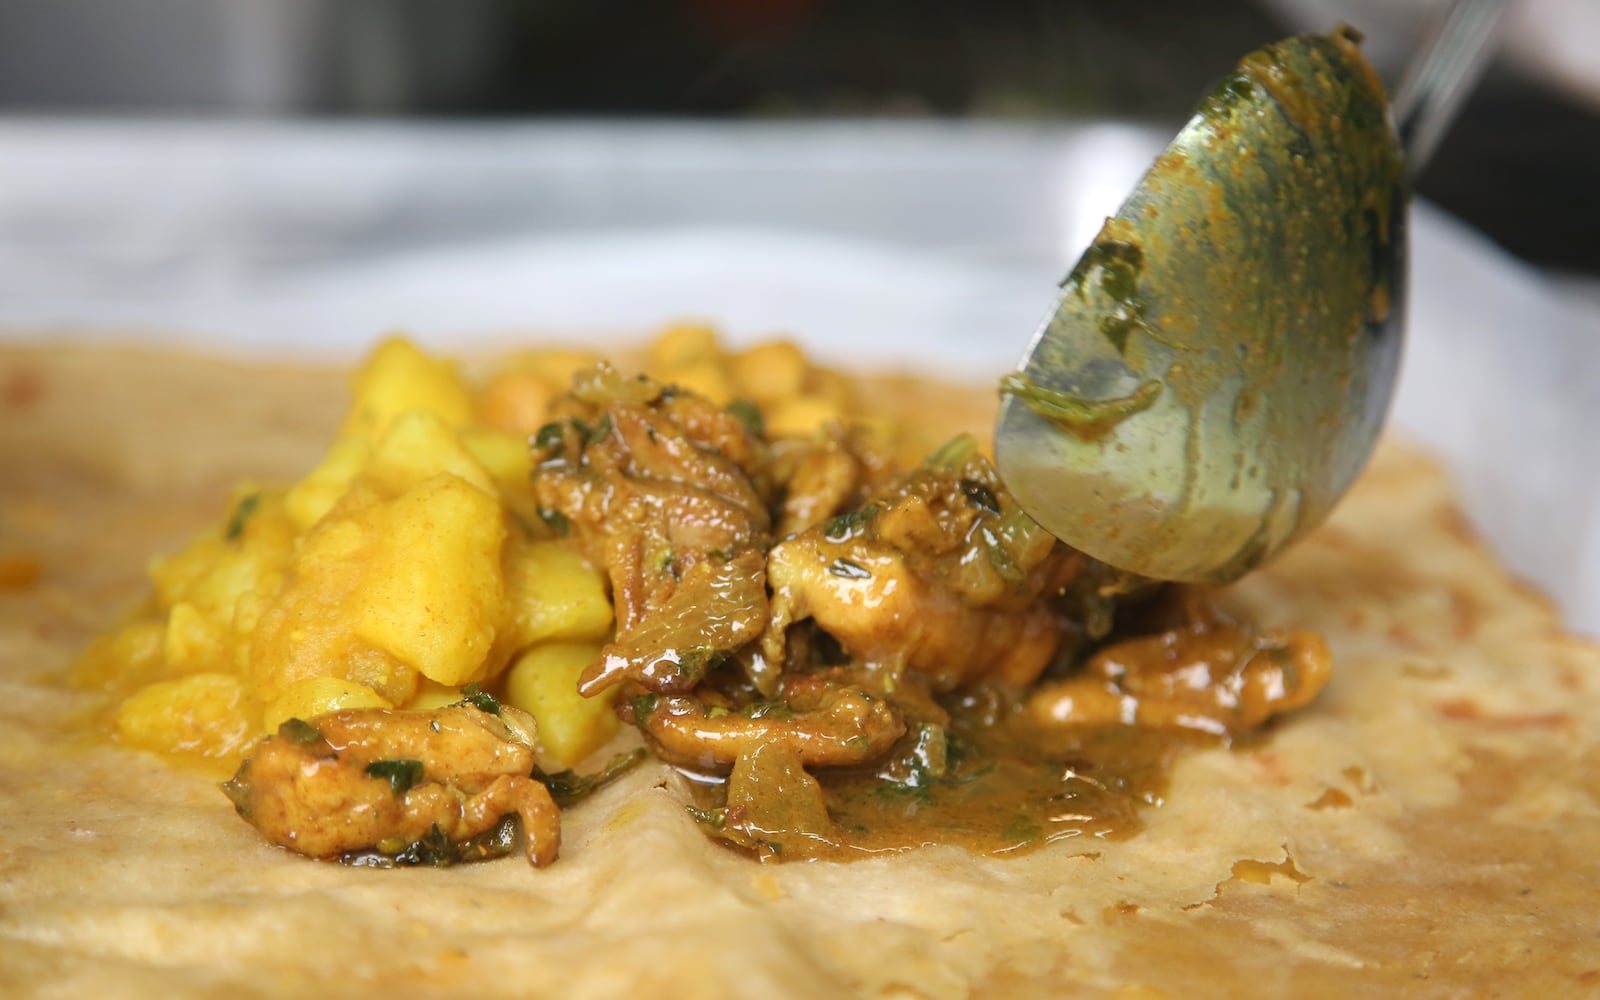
(909, 204)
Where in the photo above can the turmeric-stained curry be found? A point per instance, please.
(412, 649)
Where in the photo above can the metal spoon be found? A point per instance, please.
(1221, 359)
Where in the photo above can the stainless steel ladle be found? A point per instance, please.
(1221, 359)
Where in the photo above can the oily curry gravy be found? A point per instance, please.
(411, 651)
(1426, 826)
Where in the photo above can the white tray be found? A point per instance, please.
(931, 247)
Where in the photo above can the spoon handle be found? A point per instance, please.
(1440, 76)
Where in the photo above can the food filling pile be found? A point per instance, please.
(429, 646)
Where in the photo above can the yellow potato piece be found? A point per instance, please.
(398, 378)
(430, 696)
(215, 574)
(307, 629)
(507, 456)
(544, 682)
(316, 696)
(310, 500)
(206, 714)
(706, 377)
(418, 446)
(553, 593)
(770, 371)
(193, 644)
(681, 345)
(799, 416)
(433, 595)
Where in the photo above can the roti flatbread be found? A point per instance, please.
(1427, 827)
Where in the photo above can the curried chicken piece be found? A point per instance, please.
(942, 575)
(670, 494)
(375, 779)
(1209, 674)
(718, 607)
(833, 472)
(820, 721)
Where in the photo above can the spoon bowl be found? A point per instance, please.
(1220, 361)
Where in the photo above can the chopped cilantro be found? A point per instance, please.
(556, 521)
(569, 787)
(435, 849)
(237, 789)
(847, 526)
(749, 414)
(480, 699)
(643, 705)
(592, 434)
(548, 437)
(716, 819)
(999, 558)
(299, 731)
(849, 570)
(980, 496)
(241, 515)
(953, 454)
(402, 775)
(1074, 413)
(778, 710)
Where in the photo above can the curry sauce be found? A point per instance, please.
(854, 642)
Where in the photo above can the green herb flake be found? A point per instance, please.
(1075, 414)
(999, 558)
(299, 731)
(905, 791)
(480, 699)
(402, 775)
(849, 570)
(749, 414)
(847, 526)
(241, 515)
(435, 849)
(778, 710)
(980, 496)
(716, 819)
(595, 434)
(556, 521)
(643, 705)
(953, 454)
(569, 787)
(237, 789)
(549, 437)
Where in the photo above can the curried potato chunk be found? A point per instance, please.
(432, 594)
